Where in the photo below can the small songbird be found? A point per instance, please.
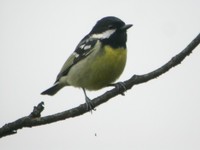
(98, 60)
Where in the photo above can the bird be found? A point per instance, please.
(97, 61)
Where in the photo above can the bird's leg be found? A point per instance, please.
(119, 85)
(89, 104)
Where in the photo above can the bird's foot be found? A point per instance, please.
(120, 86)
(89, 104)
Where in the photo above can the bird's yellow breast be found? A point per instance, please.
(106, 68)
(99, 69)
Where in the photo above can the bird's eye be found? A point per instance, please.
(110, 27)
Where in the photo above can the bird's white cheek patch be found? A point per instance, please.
(103, 35)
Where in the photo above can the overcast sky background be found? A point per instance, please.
(36, 37)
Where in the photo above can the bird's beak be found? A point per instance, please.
(126, 26)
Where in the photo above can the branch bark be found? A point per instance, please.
(35, 119)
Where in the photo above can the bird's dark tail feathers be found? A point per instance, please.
(52, 90)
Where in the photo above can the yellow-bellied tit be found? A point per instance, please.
(98, 60)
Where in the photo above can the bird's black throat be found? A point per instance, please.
(116, 40)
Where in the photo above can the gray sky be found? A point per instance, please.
(36, 37)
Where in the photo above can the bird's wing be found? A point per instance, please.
(83, 49)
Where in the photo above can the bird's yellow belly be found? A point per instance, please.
(101, 71)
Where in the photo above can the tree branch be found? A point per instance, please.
(34, 118)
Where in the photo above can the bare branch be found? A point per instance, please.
(34, 118)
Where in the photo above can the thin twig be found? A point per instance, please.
(34, 118)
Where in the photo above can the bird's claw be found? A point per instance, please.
(89, 105)
(119, 86)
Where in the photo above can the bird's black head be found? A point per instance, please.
(111, 30)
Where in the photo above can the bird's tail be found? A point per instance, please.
(52, 90)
